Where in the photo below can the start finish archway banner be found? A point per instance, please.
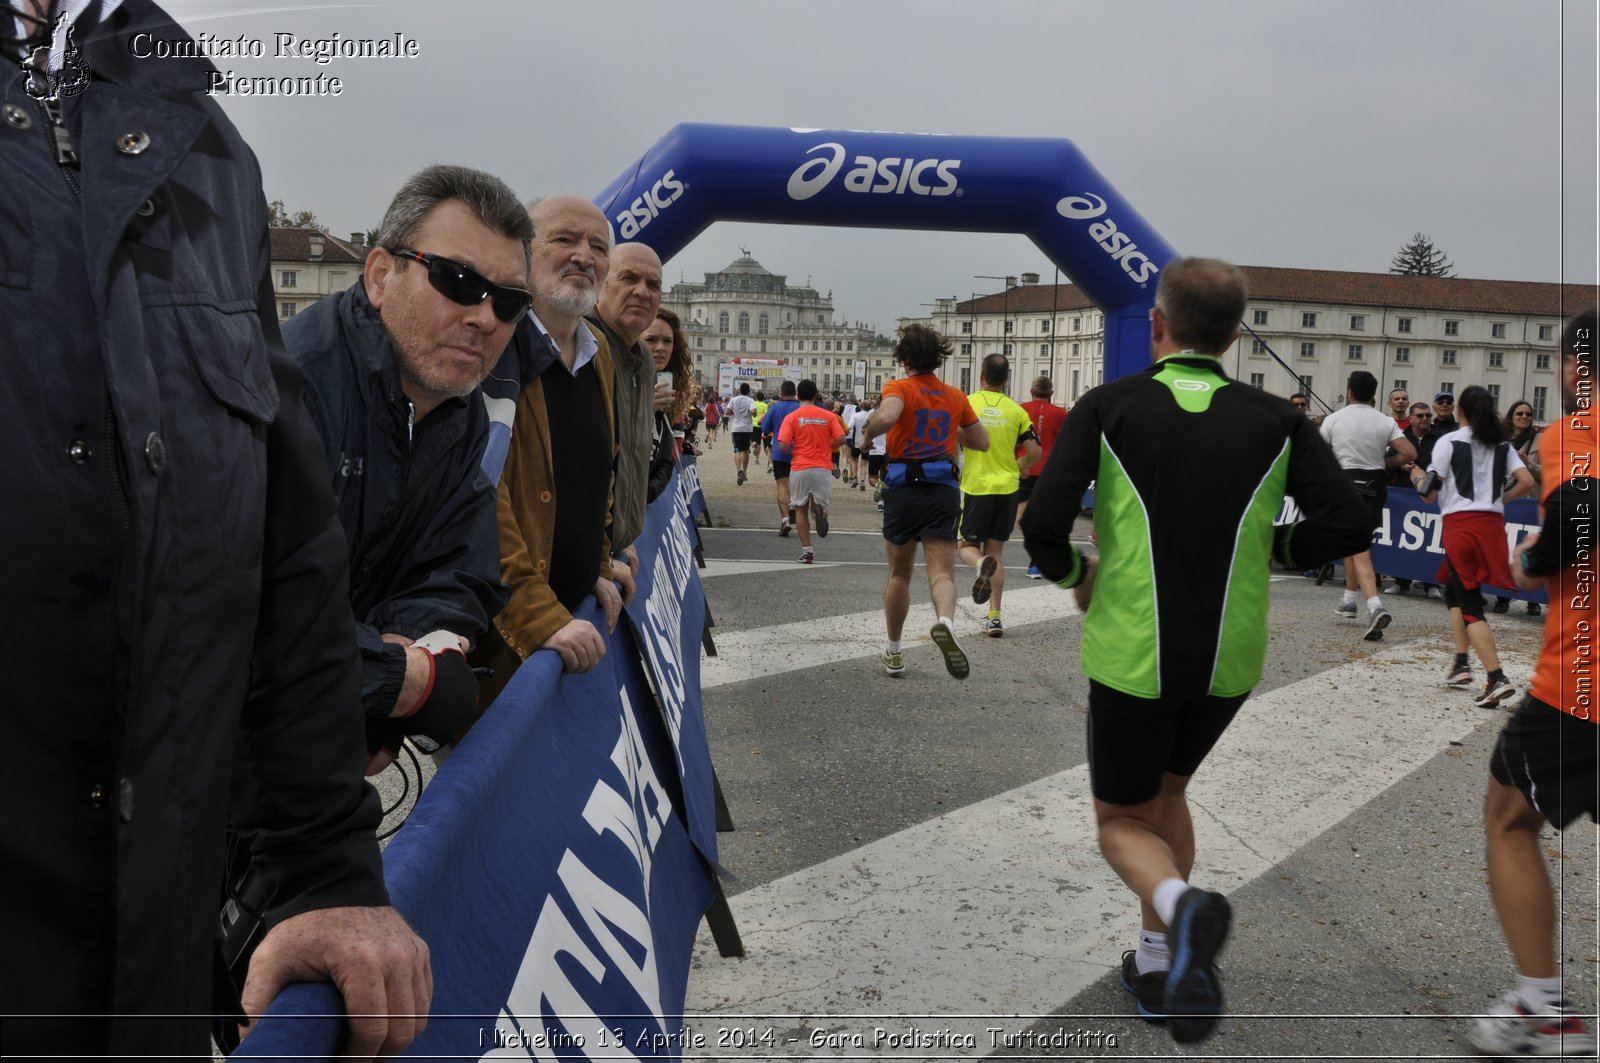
(1044, 189)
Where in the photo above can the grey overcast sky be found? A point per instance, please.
(1269, 132)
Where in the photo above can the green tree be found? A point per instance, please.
(279, 217)
(1419, 258)
(372, 237)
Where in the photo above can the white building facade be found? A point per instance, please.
(747, 311)
(1305, 330)
(308, 264)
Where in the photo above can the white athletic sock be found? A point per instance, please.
(1351, 597)
(1165, 899)
(947, 622)
(1374, 604)
(1536, 993)
(1152, 954)
(893, 647)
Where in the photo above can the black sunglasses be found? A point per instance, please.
(467, 287)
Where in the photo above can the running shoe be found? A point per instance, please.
(740, 483)
(1033, 572)
(1510, 1029)
(1534, 609)
(1149, 990)
(1380, 620)
(1346, 611)
(1193, 993)
(819, 518)
(1501, 605)
(877, 494)
(880, 507)
(807, 557)
(893, 663)
(1459, 675)
(783, 529)
(1494, 692)
(1433, 592)
(991, 627)
(955, 660)
(981, 587)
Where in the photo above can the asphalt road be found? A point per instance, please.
(917, 873)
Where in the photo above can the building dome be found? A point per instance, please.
(746, 264)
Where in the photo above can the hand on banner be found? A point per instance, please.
(610, 599)
(579, 644)
(624, 577)
(373, 958)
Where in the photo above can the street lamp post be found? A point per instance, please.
(1005, 312)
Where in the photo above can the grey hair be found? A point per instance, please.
(488, 198)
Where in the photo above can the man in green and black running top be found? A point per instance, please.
(1190, 470)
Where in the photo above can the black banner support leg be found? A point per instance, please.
(705, 634)
(719, 917)
(724, 817)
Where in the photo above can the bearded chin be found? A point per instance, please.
(570, 299)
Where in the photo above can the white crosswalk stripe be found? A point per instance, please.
(1005, 907)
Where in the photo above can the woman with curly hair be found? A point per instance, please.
(669, 349)
(1468, 473)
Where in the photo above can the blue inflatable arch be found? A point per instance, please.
(1044, 189)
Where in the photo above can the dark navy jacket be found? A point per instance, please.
(171, 569)
(416, 507)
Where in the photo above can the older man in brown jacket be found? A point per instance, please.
(556, 487)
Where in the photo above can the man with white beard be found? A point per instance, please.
(556, 485)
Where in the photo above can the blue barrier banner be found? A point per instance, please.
(1409, 544)
(550, 865)
(667, 614)
(690, 474)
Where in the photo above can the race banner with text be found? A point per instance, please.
(550, 865)
(1409, 544)
(668, 614)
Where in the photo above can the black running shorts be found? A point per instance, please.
(1134, 741)
(780, 470)
(920, 511)
(1025, 488)
(1372, 486)
(1550, 756)
(875, 464)
(986, 517)
(741, 441)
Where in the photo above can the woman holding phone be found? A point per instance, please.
(669, 349)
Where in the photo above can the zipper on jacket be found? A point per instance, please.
(61, 143)
(117, 471)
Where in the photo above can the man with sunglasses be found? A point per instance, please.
(392, 366)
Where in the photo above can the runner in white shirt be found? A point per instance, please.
(740, 415)
(1361, 435)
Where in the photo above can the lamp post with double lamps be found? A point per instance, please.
(1005, 313)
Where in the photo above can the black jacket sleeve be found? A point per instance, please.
(1334, 521)
(311, 813)
(1057, 498)
(661, 459)
(1568, 510)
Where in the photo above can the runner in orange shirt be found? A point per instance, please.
(924, 418)
(811, 435)
(1544, 765)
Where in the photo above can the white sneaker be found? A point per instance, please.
(1509, 1029)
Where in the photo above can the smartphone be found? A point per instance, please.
(664, 377)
